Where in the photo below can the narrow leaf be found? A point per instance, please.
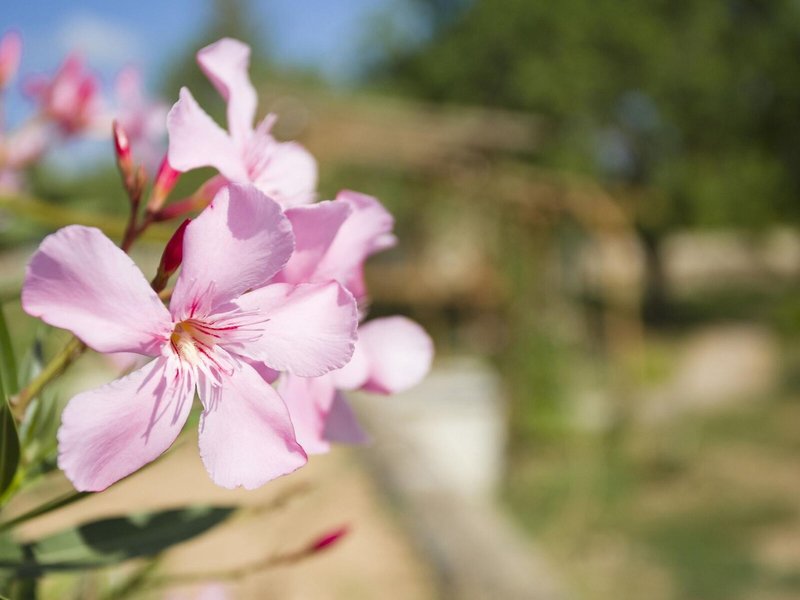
(9, 444)
(8, 364)
(109, 541)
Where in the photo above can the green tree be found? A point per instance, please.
(695, 103)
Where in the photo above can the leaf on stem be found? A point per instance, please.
(109, 541)
(8, 364)
(9, 443)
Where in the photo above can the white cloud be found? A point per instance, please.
(102, 42)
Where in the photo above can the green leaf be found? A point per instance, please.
(8, 364)
(37, 434)
(9, 444)
(109, 541)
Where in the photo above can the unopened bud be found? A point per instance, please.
(166, 178)
(171, 259)
(329, 539)
(122, 148)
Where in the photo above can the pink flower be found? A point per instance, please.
(284, 171)
(219, 320)
(332, 241)
(143, 120)
(18, 151)
(10, 54)
(335, 238)
(392, 355)
(71, 98)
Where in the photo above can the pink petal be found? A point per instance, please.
(246, 436)
(112, 431)
(80, 281)
(342, 426)
(366, 231)
(309, 401)
(225, 63)
(291, 177)
(315, 227)
(237, 243)
(399, 352)
(196, 141)
(267, 374)
(311, 328)
(354, 374)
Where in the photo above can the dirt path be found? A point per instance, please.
(374, 560)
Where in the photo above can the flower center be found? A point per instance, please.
(191, 341)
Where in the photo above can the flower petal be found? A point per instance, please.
(315, 227)
(354, 374)
(195, 140)
(80, 281)
(237, 243)
(365, 232)
(399, 352)
(291, 177)
(225, 63)
(311, 328)
(309, 401)
(246, 436)
(342, 426)
(112, 431)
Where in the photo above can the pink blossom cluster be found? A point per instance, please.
(69, 103)
(266, 321)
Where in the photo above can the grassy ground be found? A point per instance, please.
(696, 507)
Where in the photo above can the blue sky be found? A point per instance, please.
(326, 35)
(329, 36)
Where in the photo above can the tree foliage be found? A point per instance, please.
(697, 102)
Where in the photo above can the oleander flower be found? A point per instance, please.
(70, 98)
(392, 354)
(335, 238)
(332, 242)
(284, 171)
(221, 320)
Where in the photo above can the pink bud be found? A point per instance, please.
(173, 252)
(166, 178)
(329, 539)
(121, 144)
(10, 54)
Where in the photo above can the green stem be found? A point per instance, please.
(68, 354)
(48, 506)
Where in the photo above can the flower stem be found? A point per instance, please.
(68, 354)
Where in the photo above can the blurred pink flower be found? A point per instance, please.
(70, 98)
(284, 171)
(332, 242)
(144, 120)
(219, 320)
(19, 150)
(10, 54)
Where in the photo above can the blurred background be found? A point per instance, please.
(597, 207)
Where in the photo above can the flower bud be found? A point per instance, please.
(166, 178)
(328, 540)
(122, 148)
(171, 259)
